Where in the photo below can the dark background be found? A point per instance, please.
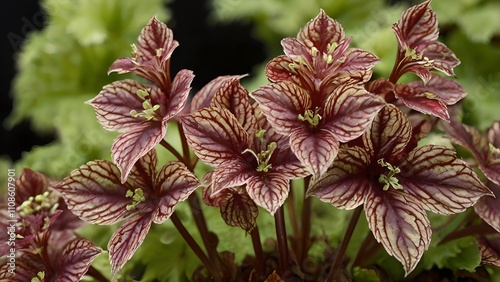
(208, 50)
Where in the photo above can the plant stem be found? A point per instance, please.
(343, 246)
(291, 205)
(194, 246)
(201, 224)
(199, 218)
(172, 150)
(259, 254)
(185, 147)
(481, 229)
(279, 221)
(96, 274)
(369, 248)
(306, 223)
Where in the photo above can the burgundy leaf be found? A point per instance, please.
(75, 259)
(449, 91)
(282, 103)
(316, 150)
(488, 208)
(489, 250)
(468, 137)
(30, 184)
(155, 46)
(296, 50)
(279, 69)
(442, 58)
(400, 223)
(443, 183)
(321, 31)
(389, 133)
(114, 103)
(359, 63)
(27, 266)
(234, 97)
(239, 210)
(215, 135)
(132, 145)
(94, 193)
(269, 191)
(493, 135)
(479, 145)
(179, 93)
(156, 40)
(143, 173)
(349, 110)
(230, 174)
(203, 98)
(174, 183)
(344, 185)
(127, 239)
(417, 24)
(380, 87)
(289, 165)
(424, 102)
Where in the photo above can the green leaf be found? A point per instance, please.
(458, 254)
(363, 275)
(473, 22)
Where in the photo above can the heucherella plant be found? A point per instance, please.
(322, 130)
(46, 246)
(396, 181)
(143, 116)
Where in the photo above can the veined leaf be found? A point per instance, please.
(389, 133)
(345, 183)
(488, 208)
(215, 135)
(127, 239)
(75, 259)
(349, 110)
(443, 183)
(134, 144)
(238, 209)
(417, 24)
(400, 223)
(174, 184)
(282, 103)
(269, 191)
(316, 150)
(94, 193)
(321, 31)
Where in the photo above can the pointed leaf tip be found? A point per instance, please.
(127, 239)
(75, 259)
(95, 194)
(175, 183)
(215, 135)
(400, 224)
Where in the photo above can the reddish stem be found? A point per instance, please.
(195, 247)
(259, 254)
(345, 242)
(306, 223)
(279, 221)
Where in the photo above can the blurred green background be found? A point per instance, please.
(63, 48)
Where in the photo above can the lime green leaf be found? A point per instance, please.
(362, 274)
(472, 22)
(458, 254)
